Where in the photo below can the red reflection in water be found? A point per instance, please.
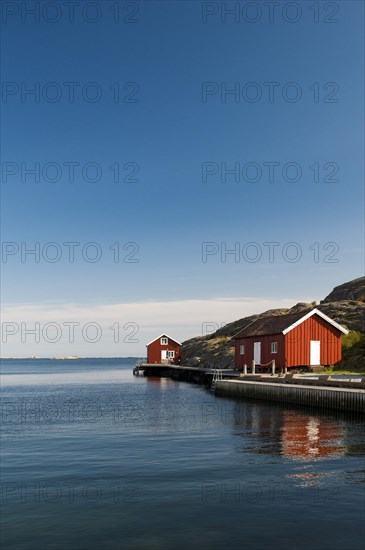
(310, 437)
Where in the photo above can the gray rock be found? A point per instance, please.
(352, 290)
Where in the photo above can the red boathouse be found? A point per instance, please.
(303, 339)
(163, 349)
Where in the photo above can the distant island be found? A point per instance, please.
(72, 358)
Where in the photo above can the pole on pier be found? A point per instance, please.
(273, 367)
(245, 369)
(253, 366)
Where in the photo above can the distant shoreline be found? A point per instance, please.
(66, 358)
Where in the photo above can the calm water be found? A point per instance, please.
(95, 458)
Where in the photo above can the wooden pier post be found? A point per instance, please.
(273, 367)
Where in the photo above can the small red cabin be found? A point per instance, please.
(163, 349)
(304, 339)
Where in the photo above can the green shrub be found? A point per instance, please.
(351, 339)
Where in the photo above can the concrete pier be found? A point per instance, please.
(341, 399)
(182, 372)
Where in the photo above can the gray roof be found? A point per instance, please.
(273, 324)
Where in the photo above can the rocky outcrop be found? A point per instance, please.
(217, 350)
(349, 313)
(353, 290)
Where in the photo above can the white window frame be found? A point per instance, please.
(164, 341)
(274, 347)
(170, 354)
(242, 349)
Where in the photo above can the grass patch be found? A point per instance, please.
(339, 370)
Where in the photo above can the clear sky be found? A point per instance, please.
(168, 101)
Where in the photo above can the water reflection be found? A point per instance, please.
(160, 382)
(296, 435)
(311, 437)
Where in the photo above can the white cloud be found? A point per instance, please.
(181, 319)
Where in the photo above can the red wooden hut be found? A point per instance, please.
(163, 349)
(304, 339)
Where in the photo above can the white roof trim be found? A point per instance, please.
(316, 311)
(163, 336)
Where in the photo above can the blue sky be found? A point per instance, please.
(168, 134)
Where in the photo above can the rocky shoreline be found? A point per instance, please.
(345, 304)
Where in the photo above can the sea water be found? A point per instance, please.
(96, 458)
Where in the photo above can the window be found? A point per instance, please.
(164, 341)
(242, 349)
(170, 354)
(274, 347)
